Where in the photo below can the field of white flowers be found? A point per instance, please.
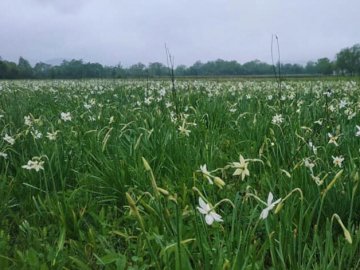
(222, 175)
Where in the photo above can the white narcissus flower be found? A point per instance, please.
(338, 161)
(241, 168)
(34, 165)
(162, 92)
(205, 173)
(28, 121)
(52, 135)
(65, 116)
(319, 122)
(37, 134)
(4, 155)
(358, 131)
(309, 164)
(342, 104)
(183, 129)
(9, 139)
(328, 93)
(333, 139)
(232, 110)
(277, 119)
(210, 214)
(313, 147)
(269, 206)
(317, 179)
(148, 100)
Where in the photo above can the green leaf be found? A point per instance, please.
(117, 258)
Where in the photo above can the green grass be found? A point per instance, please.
(120, 184)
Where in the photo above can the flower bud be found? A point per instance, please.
(279, 207)
(146, 164)
(219, 182)
(163, 191)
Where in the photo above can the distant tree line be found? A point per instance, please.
(347, 62)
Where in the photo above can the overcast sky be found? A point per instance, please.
(131, 31)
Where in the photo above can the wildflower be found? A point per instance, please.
(342, 104)
(9, 139)
(350, 113)
(28, 121)
(183, 130)
(206, 173)
(232, 110)
(210, 214)
(269, 206)
(241, 168)
(65, 116)
(317, 180)
(309, 164)
(277, 119)
(332, 139)
(87, 106)
(313, 147)
(4, 155)
(147, 100)
(92, 101)
(319, 122)
(358, 131)
(337, 161)
(34, 165)
(291, 96)
(168, 104)
(173, 117)
(332, 108)
(52, 135)
(111, 120)
(37, 134)
(328, 93)
(162, 92)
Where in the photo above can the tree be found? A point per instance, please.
(348, 60)
(41, 70)
(196, 69)
(310, 67)
(256, 67)
(137, 70)
(93, 70)
(180, 70)
(25, 69)
(324, 66)
(157, 69)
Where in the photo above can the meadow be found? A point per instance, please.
(125, 174)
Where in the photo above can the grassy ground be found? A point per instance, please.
(112, 175)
